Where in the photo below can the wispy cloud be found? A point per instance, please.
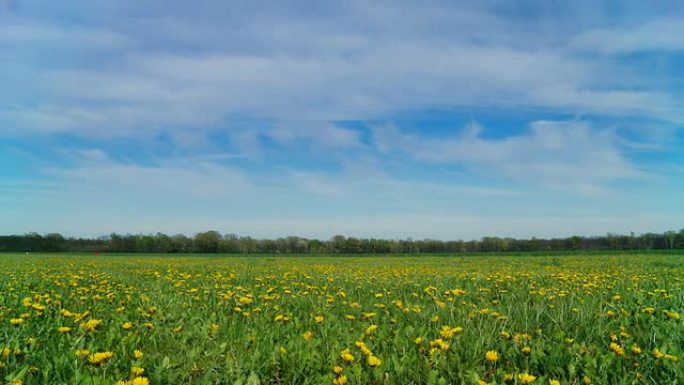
(370, 68)
(663, 34)
(97, 175)
(563, 155)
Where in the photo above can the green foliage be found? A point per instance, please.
(213, 242)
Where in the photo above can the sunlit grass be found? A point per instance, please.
(336, 320)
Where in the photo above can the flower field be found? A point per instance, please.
(341, 320)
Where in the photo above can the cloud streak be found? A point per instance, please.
(563, 155)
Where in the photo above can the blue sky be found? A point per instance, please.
(376, 119)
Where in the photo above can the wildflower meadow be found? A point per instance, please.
(139, 320)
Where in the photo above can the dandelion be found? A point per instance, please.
(439, 343)
(526, 378)
(137, 371)
(617, 349)
(492, 356)
(658, 354)
(347, 356)
(16, 321)
(670, 357)
(127, 326)
(91, 325)
(672, 315)
(137, 354)
(64, 329)
(373, 361)
(99, 358)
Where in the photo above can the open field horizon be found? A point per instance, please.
(408, 255)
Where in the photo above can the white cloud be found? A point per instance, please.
(171, 181)
(74, 37)
(368, 68)
(316, 133)
(565, 155)
(664, 34)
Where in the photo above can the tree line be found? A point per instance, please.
(215, 242)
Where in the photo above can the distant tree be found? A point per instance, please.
(670, 237)
(207, 242)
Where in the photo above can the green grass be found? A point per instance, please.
(242, 319)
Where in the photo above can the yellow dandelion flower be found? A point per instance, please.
(658, 354)
(670, 357)
(617, 349)
(526, 378)
(140, 381)
(347, 356)
(100, 357)
(492, 356)
(137, 371)
(91, 325)
(373, 361)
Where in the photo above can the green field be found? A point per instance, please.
(592, 319)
